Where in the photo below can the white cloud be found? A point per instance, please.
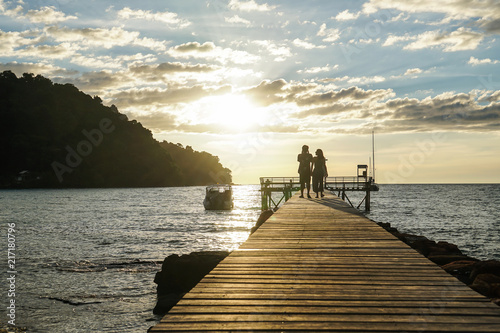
(391, 40)
(486, 14)
(457, 9)
(106, 38)
(346, 16)
(474, 61)
(315, 70)
(236, 19)
(12, 40)
(459, 40)
(281, 52)
(172, 19)
(249, 6)
(413, 71)
(330, 35)
(48, 15)
(306, 45)
(362, 79)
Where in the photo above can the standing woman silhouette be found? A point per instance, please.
(305, 159)
(319, 172)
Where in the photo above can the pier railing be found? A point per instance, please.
(284, 187)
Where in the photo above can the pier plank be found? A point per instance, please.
(318, 265)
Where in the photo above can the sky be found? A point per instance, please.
(251, 81)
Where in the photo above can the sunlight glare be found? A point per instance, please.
(235, 112)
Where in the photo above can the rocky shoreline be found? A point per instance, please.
(179, 274)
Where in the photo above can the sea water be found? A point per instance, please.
(85, 259)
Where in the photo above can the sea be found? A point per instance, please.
(84, 260)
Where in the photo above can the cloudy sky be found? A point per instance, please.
(251, 81)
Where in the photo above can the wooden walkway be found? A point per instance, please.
(317, 265)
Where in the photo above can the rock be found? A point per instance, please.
(460, 266)
(443, 258)
(487, 284)
(387, 226)
(461, 269)
(179, 274)
(262, 218)
(488, 266)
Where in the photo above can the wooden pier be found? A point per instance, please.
(317, 265)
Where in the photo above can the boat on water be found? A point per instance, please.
(218, 197)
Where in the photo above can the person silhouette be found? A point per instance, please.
(319, 172)
(305, 159)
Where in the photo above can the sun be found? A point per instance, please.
(233, 111)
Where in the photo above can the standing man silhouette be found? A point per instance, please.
(305, 160)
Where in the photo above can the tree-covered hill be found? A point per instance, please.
(197, 167)
(54, 135)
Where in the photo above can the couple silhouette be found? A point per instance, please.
(315, 166)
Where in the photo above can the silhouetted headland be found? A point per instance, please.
(55, 136)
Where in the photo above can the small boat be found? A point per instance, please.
(218, 197)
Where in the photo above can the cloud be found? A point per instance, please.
(458, 40)
(474, 61)
(267, 92)
(164, 96)
(412, 71)
(109, 62)
(485, 14)
(349, 94)
(315, 70)
(59, 51)
(445, 112)
(96, 82)
(356, 79)
(346, 16)
(330, 35)
(12, 40)
(194, 47)
(281, 51)
(14, 13)
(36, 68)
(156, 121)
(101, 37)
(48, 15)
(170, 67)
(391, 40)
(491, 26)
(456, 9)
(171, 19)
(236, 20)
(209, 51)
(306, 45)
(249, 6)
(45, 15)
